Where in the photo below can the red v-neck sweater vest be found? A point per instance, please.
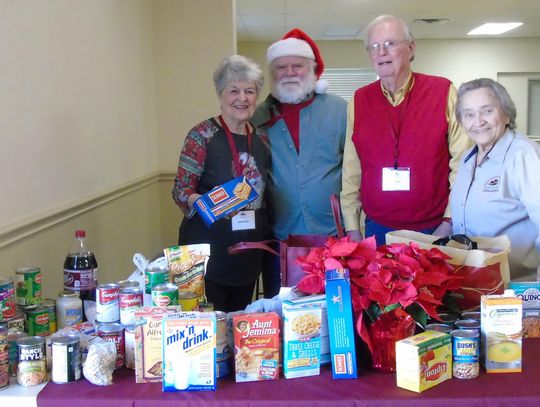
(423, 147)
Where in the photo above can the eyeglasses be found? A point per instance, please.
(388, 46)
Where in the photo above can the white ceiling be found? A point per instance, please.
(268, 20)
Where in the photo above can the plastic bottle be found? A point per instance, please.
(81, 269)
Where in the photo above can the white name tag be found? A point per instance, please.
(396, 179)
(243, 220)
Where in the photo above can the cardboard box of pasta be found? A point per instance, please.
(256, 346)
(529, 292)
(148, 348)
(301, 339)
(225, 199)
(189, 351)
(317, 301)
(340, 324)
(423, 360)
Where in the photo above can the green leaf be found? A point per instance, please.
(373, 312)
(418, 314)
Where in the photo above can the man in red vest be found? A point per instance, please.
(403, 142)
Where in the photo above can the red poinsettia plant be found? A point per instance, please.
(387, 282)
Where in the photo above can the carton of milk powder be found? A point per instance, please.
(189, 351)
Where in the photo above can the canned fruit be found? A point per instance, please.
(37, 321)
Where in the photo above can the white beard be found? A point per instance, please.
(295, 90)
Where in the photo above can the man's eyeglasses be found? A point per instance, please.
(388, 46)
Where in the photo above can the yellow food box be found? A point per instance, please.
(423, 360)
(501, 324)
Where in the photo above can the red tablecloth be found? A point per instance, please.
(370, 389)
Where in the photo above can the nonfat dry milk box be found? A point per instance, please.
(189, 351)
(423, 360)
(225, 199)
(301, 340)
(340, 324)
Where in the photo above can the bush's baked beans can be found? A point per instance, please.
(153, 277)
(37, 320)
(128, 284)
(32, 366)
(223, 350)
(17, 322)
(130, 300)
(465, 353)
(7, 299)
(13, 337)
(188, 300)
(129, 346)
(165, 294)
(51, 306)
(114, 333)
(107, 303)
(4, 357)
(28, 285)
(66, 359)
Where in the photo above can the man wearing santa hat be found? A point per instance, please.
(306, 127)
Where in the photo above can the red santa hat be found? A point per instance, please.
(298, 43)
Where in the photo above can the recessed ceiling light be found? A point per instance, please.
(494, 28)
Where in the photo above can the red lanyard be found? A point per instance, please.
(396, 130)
(236, 161)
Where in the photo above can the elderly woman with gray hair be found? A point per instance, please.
(214, 152)
(497, 188)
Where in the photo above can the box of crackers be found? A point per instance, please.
(256, 346)
(225, 199)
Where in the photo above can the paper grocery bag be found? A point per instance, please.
(482, 262)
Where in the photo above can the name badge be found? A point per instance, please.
(243, 220)
(396, 179)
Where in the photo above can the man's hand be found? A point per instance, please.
(355, 235)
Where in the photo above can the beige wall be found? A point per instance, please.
(95, 99)
(458, 60)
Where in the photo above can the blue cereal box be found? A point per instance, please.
(301, 339)
(340, 324)
(189, 351)
(225, 199)
(529, 292)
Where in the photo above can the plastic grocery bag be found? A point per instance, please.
(100, 362)
(138, 275)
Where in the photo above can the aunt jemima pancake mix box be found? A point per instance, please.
(423, 360)
(148, 362)
(189, 351)
(256, 346)
(224, 199)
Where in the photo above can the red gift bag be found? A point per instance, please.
(292, 247)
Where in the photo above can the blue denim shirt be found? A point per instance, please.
(501, 196)
(300, 184)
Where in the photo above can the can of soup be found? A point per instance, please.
(7, 299)
(114, 333)
(66, 359)
(165, 294)
(128, 284)
(107, 303)
(32, 366)
(130, 300)
(28, 285)
(153, 277)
